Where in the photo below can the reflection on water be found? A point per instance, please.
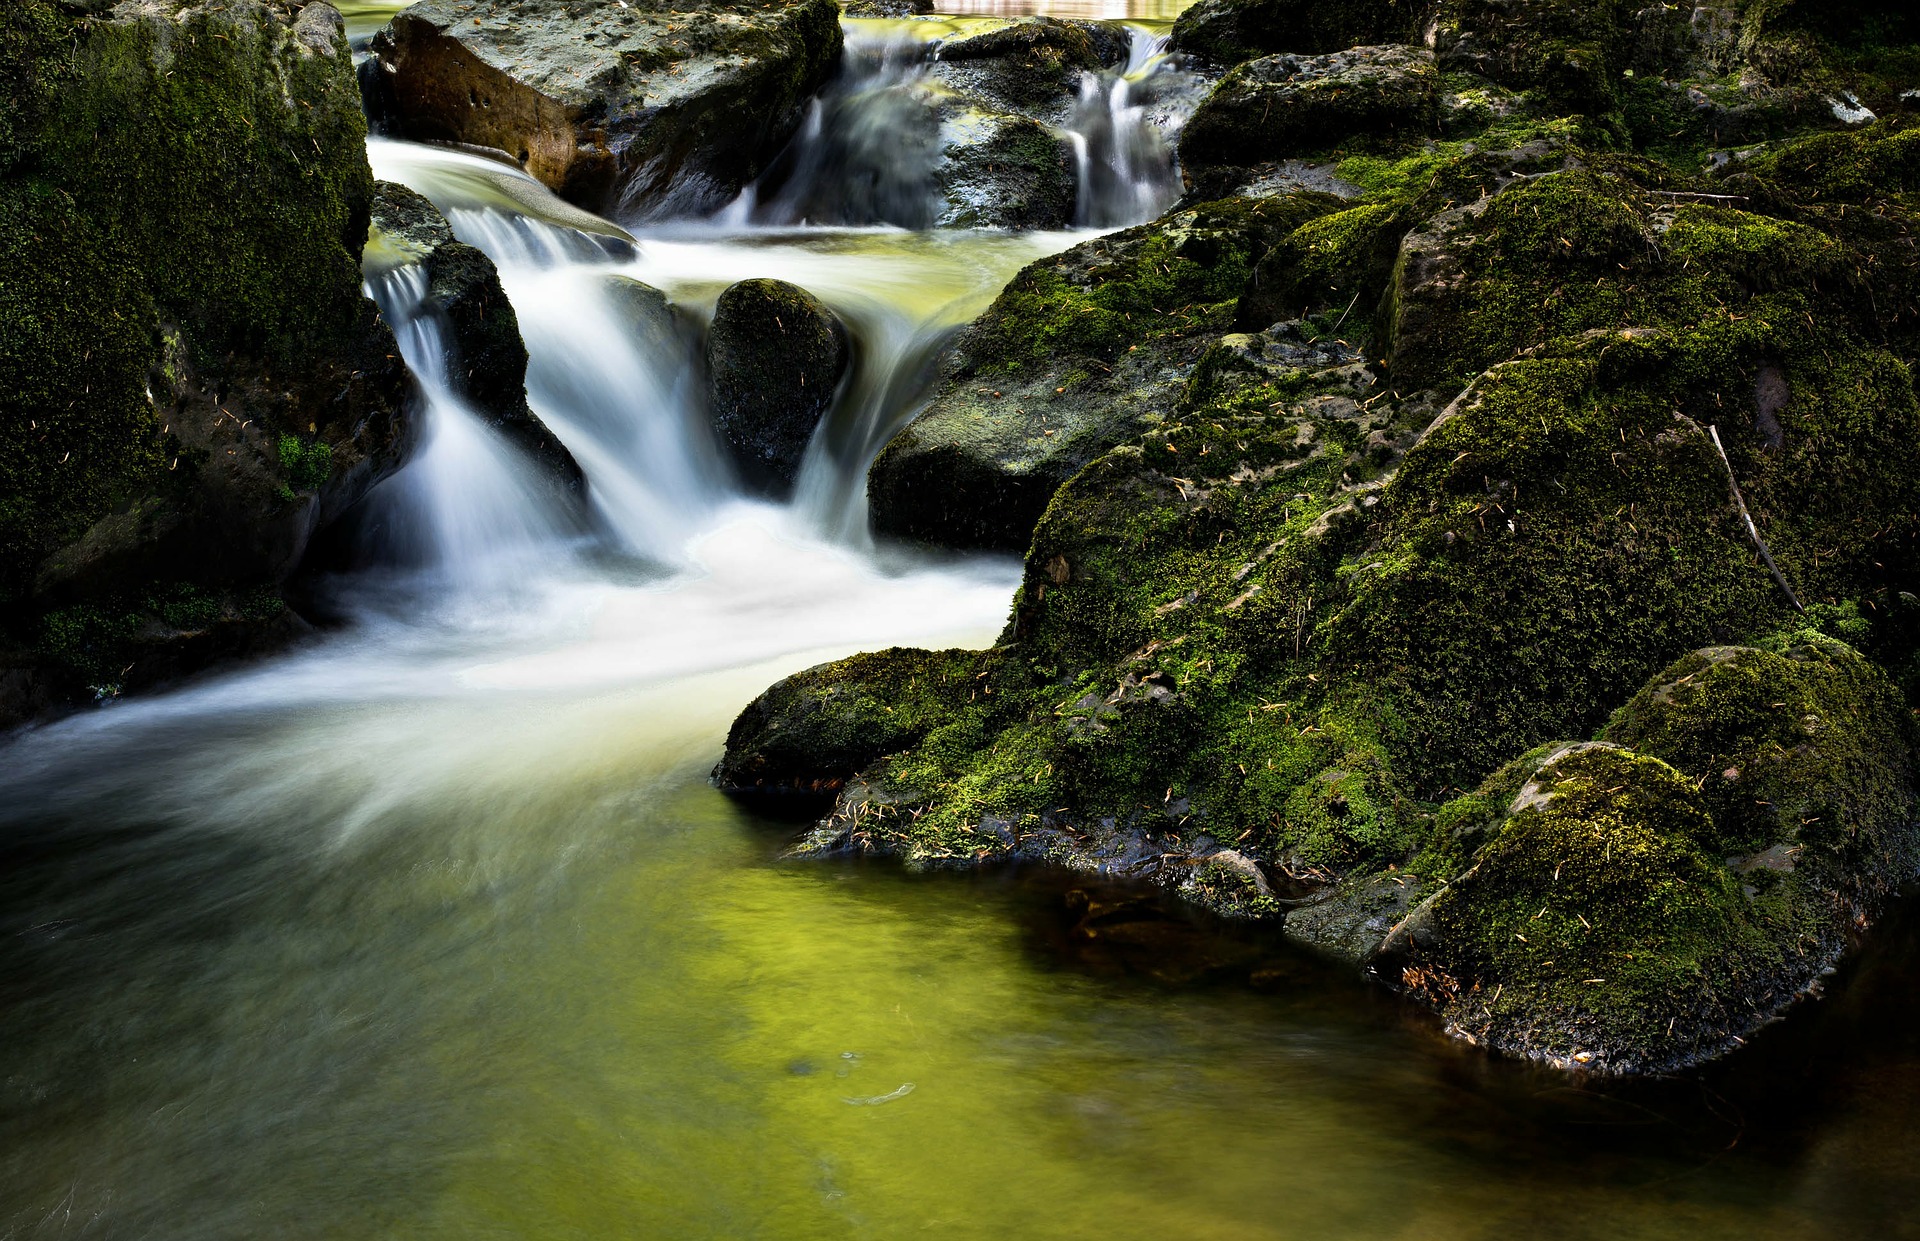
(436, 930)
(439, 938)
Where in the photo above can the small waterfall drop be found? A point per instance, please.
(1121, 125)
(870, 151)
(468, 509)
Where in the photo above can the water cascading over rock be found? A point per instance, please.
(775, 355)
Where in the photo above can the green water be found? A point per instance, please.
(496, 963)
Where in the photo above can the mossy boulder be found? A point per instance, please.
(1281, 107)
(804, 737)
(626, 110)
(486, 360)
(194, 381)
(775, 355)
(1078, 353)
(1640, 904)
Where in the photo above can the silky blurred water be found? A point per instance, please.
(435, 929)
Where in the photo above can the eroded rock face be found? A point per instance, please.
(1289, 105)
(186, 197)
(635, 112)
(775, 355)
(487, 360)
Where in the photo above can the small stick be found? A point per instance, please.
(1713, 432)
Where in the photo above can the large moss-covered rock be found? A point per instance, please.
(1642, 908)
(1079, 353)
(1468, 459)
(193, 380)
(1227, 32)
(1284, 106)
(629, 110)
(775, 355)
(486, 359)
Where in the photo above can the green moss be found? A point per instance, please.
(188, 141)
(811, 731)
(1596, 922)
(1174, 277)
(307, 465)
(1802, 747)
(78, 436)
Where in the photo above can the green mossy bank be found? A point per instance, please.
(190, 379)
(1489, 547)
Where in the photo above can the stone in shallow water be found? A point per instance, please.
(775, 356)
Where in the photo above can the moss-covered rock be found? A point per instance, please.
(775, 355)
(194, 380)
(629, 110)
(1281, 107)
(1641, 909)
(1079, 353)
(486, 360)
(804, 737)
(1506, 429)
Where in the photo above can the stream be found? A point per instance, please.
(434, 928)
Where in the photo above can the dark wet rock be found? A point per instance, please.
(1282, 107)
(634, 111)
(183, 325)
(1227, 32)
(997, 170)
(487, 360)
(1056, 372)
(775, 355)
(1032, 66)
(1349, 920)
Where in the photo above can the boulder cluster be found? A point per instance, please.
(1477, 529)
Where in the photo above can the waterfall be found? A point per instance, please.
(617, 374)
(1120, 132)
(870, 151)
(468, 508)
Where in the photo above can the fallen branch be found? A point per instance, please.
(1733, 485)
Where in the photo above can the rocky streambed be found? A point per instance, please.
(1474, 530)
(1469, 512)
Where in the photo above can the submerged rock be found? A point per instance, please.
(775, 355)
(632, 111)
(194, 379)
(487, 360)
